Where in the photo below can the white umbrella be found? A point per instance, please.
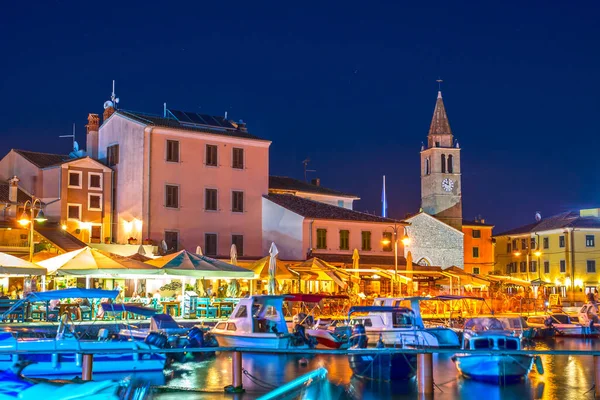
(355, 258)
(272, 268)
(141, 250)
(199, 251)
(233, 288)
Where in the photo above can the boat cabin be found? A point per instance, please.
(492, 341)
(383, 316)
(256, 314)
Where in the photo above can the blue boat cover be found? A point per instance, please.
(378, 309)
(73, 293)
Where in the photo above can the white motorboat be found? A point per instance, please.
(43, 358)
(397, 325)
(489, 333)
(561, 325)
(258, 322)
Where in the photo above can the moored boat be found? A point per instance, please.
(258, 322)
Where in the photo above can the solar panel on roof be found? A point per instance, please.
(181, 116)
(201, 119)
(195, 118)
(210, 120)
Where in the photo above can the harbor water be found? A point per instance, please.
(565, 377)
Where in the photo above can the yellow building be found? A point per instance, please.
(559, 252)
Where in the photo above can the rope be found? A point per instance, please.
(258, 381)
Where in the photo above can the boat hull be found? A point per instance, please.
(404, 337)
(384, 366)
(494, 368)
(256, 340)
(327, 339)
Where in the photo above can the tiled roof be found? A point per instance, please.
(314, 209)
(159, 121)
(466, 222)
(569, 219)
(22, 197)
(295, 185)
(42, 160)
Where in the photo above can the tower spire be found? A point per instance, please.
(439, 123)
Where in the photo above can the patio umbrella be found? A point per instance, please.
(141, 250)
(272, 269)
(11, 265)
(355, 258)
(199, 251)
(89, 261)
(409, 267)
(233, 289)
(184, 263)
(322, 271)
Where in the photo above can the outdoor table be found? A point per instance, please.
(220, 304)
(171, 305)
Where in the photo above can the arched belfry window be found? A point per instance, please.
(443, 163)
(450, 166)
(427, 167)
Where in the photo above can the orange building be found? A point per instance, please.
(479, 248)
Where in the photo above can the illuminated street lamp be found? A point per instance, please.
(405, 241)
(30, 219)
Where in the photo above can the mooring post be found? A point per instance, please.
(236, 374)
(597, 376)
(86, 367)
(425, 373)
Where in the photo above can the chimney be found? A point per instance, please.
(13, 189)
(242, 126)
(108, 111)
(316, 182)
(92, 135)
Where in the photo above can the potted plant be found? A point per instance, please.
(132, 240)
(107, 240)
(148, 242)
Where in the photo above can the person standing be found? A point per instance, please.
(591, 311)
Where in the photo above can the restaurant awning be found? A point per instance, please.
(323, 271)
(508, 280)
(184, 263)
(260, 269)
(11, 265)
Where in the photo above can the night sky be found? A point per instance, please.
(350, 85)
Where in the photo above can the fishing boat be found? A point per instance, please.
(559, 324)
(489, 333)
(165, 332)
(380, 365)
(403, 327)
(42, 356)
(258, 322)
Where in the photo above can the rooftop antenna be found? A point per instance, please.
(439, 81)
(225, 114)
(114, 100)
(305, 162)
(164, 110)
(71, 136)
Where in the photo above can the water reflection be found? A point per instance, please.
(566, 377)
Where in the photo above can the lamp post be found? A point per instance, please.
(405, 241)
(26, 219)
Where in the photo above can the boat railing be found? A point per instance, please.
(315, 381)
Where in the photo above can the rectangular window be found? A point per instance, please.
(211, 155)
(75, 179)
(546, 243)
(475, 252)
(514, 244)
(523, 244)
(590, 241)
(523, 266)
(475, 270)
(387, 241)
(532, 266)
(210, 244)
(561, 241)
(344, 240)
(546, 267)
(95, 180)
(172, 151)
(172, 240)
(321, 239)
(237, 201)
(210, 199)
(112, 155)
(171, 196)
(238, 158)
(563, 266)
(476, 233)
(591, 266)
(508, 248)
(533, 244)
(238, 240)
(366, 240)
(509, 268)
(74, 211)
(94, 202)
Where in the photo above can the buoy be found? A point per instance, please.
(303, 361)
(539, 365)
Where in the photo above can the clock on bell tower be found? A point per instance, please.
(440, 170)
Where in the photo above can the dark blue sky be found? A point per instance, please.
(349, 84)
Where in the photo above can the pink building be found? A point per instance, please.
(185, 178)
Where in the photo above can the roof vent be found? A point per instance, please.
(316, 181)
(242, 126)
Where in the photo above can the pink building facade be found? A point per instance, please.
(190, 182)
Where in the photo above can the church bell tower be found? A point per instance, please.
(440, 170)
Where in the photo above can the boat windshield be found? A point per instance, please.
(561, 318)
